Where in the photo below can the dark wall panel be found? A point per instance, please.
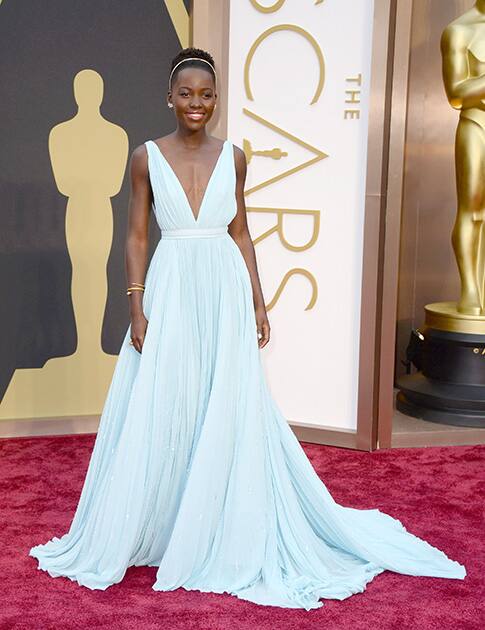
(43, 46)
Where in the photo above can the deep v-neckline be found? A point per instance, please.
(179, 183)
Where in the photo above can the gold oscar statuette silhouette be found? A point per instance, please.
(275, 153)
(88, 155)
(450, 385)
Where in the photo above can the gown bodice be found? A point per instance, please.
(170, 204)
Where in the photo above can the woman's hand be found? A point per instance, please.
(139, 325)
(262, 326)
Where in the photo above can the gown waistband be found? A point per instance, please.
(194, 232)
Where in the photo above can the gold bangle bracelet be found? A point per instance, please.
(130, 289)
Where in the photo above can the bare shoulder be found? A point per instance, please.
(139, 160)
(239, 159)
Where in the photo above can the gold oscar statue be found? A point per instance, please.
(449, 352)
(88, 156)
(463, 57)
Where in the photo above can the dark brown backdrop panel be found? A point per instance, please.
(43, 46)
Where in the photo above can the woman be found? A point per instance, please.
(195, 470)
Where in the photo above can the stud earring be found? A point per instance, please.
(170, 104)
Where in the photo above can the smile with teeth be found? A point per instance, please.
(195, 115)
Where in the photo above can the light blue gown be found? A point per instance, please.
(195, 470)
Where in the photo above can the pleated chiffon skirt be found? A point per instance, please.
(195, 470)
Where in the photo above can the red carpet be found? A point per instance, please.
(437, 493)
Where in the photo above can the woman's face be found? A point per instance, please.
(193, 97)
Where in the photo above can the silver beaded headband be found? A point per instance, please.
(189, 59)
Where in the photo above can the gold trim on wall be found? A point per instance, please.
(391, 226)
(374, 210)
(180, 20)
(210, 31)
(75, 425)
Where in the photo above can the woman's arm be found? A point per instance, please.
(136, 251)
(238, 229)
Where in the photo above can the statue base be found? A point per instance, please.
(450, 386)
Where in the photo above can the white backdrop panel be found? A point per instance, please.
(312, 359)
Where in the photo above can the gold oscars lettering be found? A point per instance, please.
(277, 153)
(88, 156)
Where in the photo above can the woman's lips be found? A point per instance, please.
(194, 116)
